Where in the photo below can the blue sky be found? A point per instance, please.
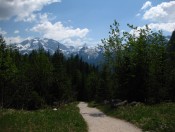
(75, 22)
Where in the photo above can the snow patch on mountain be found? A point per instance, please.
(90, 54)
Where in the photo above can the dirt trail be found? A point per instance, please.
(99, 122)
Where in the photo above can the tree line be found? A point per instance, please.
(39, 79)
(138, 66)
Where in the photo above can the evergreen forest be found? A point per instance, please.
(137, 67)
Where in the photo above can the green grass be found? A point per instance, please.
(65, 119)
(154, 118)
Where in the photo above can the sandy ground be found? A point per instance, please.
(98, 122)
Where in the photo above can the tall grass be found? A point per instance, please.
(65, 119)
(154, 118)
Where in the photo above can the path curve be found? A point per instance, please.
(99, 122)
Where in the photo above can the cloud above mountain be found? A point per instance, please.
(16, 31)
(22, 10)
(161, 16)
(169, 27)
(16, 39)
(2, 32)
(58, 31)
(32, 11)
(163, 12)
(78, 22)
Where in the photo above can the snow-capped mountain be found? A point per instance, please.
(50, 45)
(92, 55)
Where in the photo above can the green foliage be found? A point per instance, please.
(113, 46)
(92, 86)
(156, 118)
(138, 67)
(65, 119)
(38, 79)
(7, 71)
(138, 64)
(105, 88)
(171, 66)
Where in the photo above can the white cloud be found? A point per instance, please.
(136, 32)
(58, 31)
(16, 31)
(2, 32)
(80, 42)
(29, 18)
(161, 16)
(146, 5)
(45, 17)
(70, 42)
(23, 10)
(138, 14)
(10, 40)
(169, 27)
(164, 12)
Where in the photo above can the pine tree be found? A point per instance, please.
(7, 72)
(171, 67)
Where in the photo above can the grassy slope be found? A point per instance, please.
(159, 118)
(65, 119)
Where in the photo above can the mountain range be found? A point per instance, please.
(92, 55)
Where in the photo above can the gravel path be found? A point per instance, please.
(98, 122)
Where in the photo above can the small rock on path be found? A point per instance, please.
(99, 122)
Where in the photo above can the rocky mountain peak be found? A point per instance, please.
(89, 54)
